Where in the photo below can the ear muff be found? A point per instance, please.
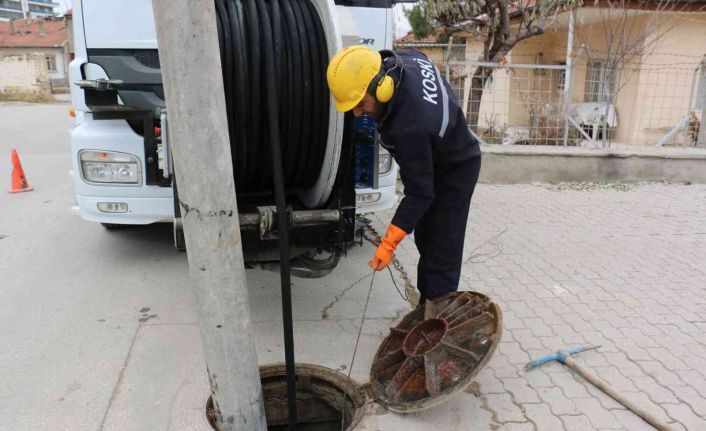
(382, 87)
(385, 90)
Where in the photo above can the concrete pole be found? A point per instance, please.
(193, 84)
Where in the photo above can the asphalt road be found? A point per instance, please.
(98, 327)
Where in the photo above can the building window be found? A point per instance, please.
(10, 15)
(600, 82)
(41, 10)
(10, 5)
(51, 63)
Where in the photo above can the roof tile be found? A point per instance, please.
(27, 34)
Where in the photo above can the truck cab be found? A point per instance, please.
(122, 169)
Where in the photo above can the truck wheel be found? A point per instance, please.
(113, 226)
(179, 241)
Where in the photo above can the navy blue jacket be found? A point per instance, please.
(424, 128)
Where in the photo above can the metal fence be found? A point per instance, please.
(589, 104)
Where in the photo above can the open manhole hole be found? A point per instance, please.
(320, 399)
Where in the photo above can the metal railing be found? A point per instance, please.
(599, 106)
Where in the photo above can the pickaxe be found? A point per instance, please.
(564, 356)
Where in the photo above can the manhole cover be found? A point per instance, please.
(320, 399)
(435, 352)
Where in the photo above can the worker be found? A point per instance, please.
(422, 125)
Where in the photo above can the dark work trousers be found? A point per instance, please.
(440, 233)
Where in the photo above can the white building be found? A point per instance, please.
(26, 9)
(45, 36)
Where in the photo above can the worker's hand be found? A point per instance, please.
(382, 258)
(387, 247)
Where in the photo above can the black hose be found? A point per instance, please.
(239, 104)
(282, 216)
(299, 61)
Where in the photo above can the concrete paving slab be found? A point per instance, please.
(100, 332)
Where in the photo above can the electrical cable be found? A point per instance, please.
(300, 59)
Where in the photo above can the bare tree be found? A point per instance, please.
(502, 24)
(627, 38)
(628, 32)
(533, 102)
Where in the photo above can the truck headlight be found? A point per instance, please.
(110, 167)
(384, 161)
(365, 198)
(112, 207)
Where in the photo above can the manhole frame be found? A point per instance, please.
(354, 391)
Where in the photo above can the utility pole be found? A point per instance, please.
(198, 132)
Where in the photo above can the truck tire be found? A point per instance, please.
(113, 226)
(179, 241)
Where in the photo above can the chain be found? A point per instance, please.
(392, 277)
(373, 237)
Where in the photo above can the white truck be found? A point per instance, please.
(122, 169)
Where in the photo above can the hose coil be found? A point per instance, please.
(299, 43)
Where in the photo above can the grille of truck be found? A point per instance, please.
(147, 57)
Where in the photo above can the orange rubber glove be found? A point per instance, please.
(387, 247)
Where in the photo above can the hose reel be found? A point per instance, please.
(304, 37)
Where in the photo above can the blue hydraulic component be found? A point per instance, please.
(559, 355)
(366, 152)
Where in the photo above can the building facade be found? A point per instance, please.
(26, 9)
(48, 37)
(637, 76)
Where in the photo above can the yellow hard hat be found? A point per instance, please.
(349, 74)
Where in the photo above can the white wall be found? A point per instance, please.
(25, 73)
(60, 72)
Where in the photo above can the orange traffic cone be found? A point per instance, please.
(18, 182)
